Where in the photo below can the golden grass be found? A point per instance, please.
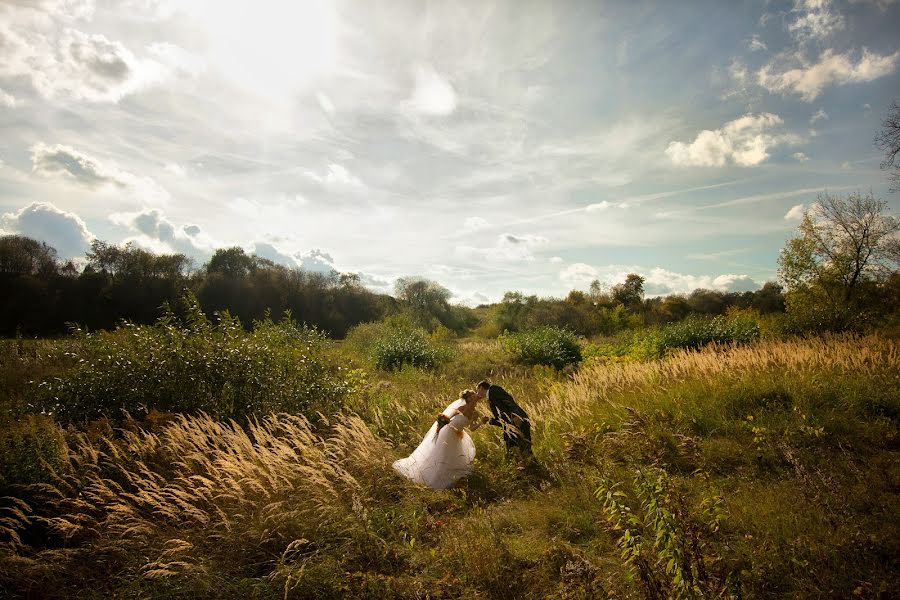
(302, 509)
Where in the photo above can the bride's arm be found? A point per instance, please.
(475, 423)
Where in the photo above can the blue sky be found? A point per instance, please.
(490, 146)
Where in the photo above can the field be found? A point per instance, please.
(766, 470)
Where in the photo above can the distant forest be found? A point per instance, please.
(42, 295)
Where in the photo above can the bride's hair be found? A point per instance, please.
(466, 395)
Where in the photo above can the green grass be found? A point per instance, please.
(769, 470)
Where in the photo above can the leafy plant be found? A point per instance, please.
(666, 543)
(404, 346)
(549, 345)
(695, 332)
(192, 365)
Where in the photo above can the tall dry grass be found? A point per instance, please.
(198, 495)
(288, 508)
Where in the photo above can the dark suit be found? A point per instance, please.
(503, 407)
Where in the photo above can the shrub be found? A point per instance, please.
(31, 450)
(193, 365)
(696, 332)
(549, 345)
(404, 346)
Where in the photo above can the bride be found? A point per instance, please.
(446, 453)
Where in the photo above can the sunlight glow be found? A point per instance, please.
(271, 47)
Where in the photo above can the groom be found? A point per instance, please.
(508, 415)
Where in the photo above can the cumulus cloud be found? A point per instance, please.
(744, 142)
(376, 283)
(799, 156)
(43, 221)
(579, 275)
(270, 252)
(316, 261)
(151, 229)
(60, 61)
(65, 162)
(432, 94)
(795, 213)
(469, 299)
(793, 74)
(657, 281)
(556, 259)
(507, 248)
(661, 282)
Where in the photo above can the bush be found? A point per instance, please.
(404, 346)
(31, 450)
(192, 366)
(549, 345)
(696, 332)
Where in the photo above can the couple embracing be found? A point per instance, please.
(447, 451)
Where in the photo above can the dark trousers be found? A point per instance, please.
(518, 438)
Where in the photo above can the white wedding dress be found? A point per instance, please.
(441, 461)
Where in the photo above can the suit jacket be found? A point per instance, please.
(503, 406)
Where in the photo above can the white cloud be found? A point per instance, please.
(151, 229)
(43, 221)
(60, 61)
(8, 100)
(598, 206)
(469, 299)
(336, 176)
(556, 259)
(316, 261)
(433, 94)
(755, 44)
(814, 20)
(579, 275)
(819, 115)
(475, 224)
(507, 248)
(744, 142)
(795, 213)
(661, 282)
(176, 169)
(867, 107)
(325, 103)
(799, 156)
(67, 163)
(657, 281)
(792, 74)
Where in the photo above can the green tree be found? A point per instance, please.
(842, 246)
(630, 293)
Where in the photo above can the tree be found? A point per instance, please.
(232, 263)
(630, 293)
(428, 301)
(24, 256)
(888, 140)
(841, 244)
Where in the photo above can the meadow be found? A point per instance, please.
(135, 465)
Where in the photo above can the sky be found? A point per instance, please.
(490, 146)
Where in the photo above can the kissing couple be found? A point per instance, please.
(447, 451)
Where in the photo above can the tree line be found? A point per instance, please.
(839, 273)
